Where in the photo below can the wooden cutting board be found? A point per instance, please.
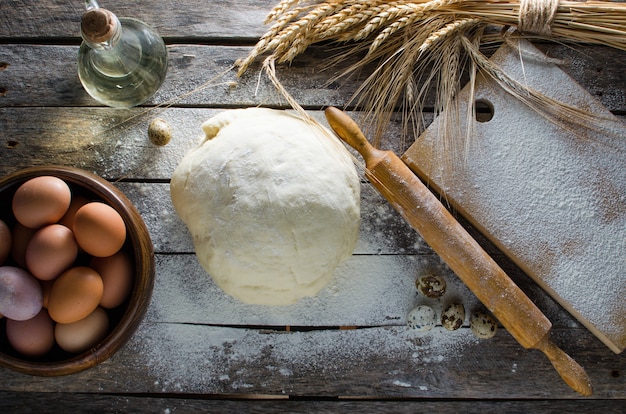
(552, 201)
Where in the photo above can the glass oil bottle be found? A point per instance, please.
(122, 62)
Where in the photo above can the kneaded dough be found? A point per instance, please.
(272, 204)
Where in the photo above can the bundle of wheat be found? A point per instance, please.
(417, 43)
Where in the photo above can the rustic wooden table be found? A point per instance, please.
(197, 349)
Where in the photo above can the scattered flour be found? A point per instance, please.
(219, 359)
(218, 349)
(365, 291)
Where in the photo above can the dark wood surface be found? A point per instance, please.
(198, 349)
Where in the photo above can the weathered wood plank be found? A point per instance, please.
(112, 143)
(207, 70)
(230, 20)
(195, 359)
(69, 402)
(23, 83)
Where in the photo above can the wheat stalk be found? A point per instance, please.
(280, 9)
(423, 41)
(389, 13)
(348, 17)
(456, 26)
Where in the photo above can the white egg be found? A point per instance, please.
(422, 318)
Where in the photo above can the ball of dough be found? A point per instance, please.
(271, 202)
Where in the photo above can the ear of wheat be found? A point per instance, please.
(430, 42)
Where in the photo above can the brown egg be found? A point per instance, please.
(83, 334)
(68, 219)
(75, 294)
(99, 229)
(117, 275)
(32, 337)
(51, 251)
(21, 237)
(40, 201)
(5, 241)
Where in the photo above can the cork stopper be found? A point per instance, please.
(98, 25)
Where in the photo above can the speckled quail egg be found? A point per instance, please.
(422, 318)
(159, 132)
(431, 286)
(483, 325)
(453, 316)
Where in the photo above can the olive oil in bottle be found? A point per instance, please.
(121, 62)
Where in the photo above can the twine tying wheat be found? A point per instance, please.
(421, 42)
(536, 16)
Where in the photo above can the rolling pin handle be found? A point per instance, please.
(572, 374)
(349, 131)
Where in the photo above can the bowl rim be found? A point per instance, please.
(143, 254)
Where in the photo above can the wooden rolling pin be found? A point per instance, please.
(482, 275)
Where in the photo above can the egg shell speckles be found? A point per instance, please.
(422, 318)
(159, 132)
(483, 325)
(453, 316)
(431, 286)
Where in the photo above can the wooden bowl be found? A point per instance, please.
(124, 319)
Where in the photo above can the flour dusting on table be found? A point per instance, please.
(222, 344)
(230, 359)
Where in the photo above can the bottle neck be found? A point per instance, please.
(100, 29)
(111, 51)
